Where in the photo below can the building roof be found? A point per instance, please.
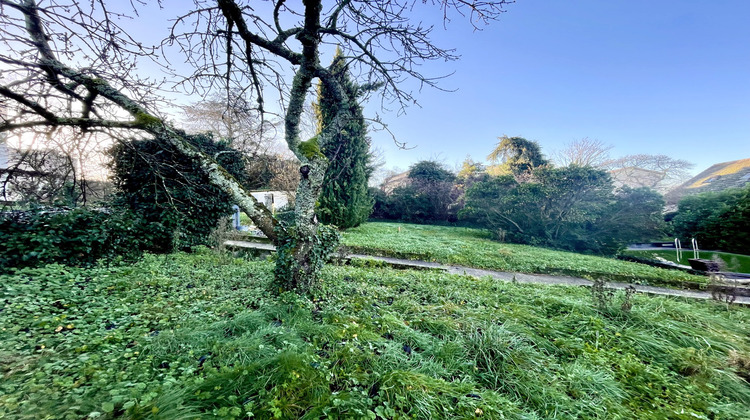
(719, 177)
(395, 181)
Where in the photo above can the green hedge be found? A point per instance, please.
(74, 237)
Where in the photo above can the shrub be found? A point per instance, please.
(717, 220)
(380, 204)
(75, 237)
(429, 196)
(573, 208)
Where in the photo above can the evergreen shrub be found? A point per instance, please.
(77, 237)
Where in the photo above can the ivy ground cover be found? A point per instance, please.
(474, 248)
(199, 336)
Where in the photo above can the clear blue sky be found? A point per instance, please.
(660, 77)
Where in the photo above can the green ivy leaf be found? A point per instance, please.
(108, 407)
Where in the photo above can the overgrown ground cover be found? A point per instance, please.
(474, 248)
(199, 336)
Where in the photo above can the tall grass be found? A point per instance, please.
(199, 335)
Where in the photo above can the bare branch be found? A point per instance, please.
(584, 152)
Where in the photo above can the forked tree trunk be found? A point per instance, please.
(303, 249)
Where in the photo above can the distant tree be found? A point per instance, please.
(471, 170)
(428, 195)
(64, 167)
(429, 172)
(470, 173)
(345, 199)
(665, 172)
(169, 193)
(42, 176)
(584, 152)
(516, 156)
(571, 197)
(507, 208)
(380, 209)
(633, 215)
(432, 195)
(229, 116)
(284, 176)
(570, 208)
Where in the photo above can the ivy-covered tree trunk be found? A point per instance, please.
(303, 248)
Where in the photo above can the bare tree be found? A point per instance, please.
(232, 118)
(583, 152)
(658, 172)
(64, 166)
(268, 163)
(70, 63)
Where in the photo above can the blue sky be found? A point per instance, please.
(659, 77)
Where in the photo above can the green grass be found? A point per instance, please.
(734, 262)
(245, 220)
(199, 336)
(474, 248)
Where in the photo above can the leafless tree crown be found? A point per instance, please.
(584, 152)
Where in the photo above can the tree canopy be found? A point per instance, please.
(718, 220)
(516, 156)
(573, 207)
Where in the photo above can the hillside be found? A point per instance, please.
(474, 248)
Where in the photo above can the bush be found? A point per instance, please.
(718, 221)
(74, 237)
(428, 198)
(380, 204)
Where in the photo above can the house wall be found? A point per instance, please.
(274, 200)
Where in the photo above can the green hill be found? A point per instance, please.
(474, 248)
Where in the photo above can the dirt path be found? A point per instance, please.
(508, 276)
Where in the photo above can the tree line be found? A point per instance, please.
(522, 197)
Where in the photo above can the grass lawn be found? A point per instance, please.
(244, 220)
(734, 262)
(199, 336)
(474, 248)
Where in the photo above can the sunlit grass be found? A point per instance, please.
(474, 248)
